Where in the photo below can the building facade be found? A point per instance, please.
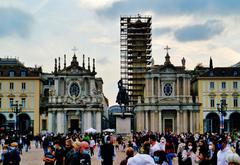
(213, 86)
(168, 104)
(74, 96)
(19, 85)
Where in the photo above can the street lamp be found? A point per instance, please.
(17, 108)
(222, 108)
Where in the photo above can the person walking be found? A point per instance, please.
(129, 154)
(49, 158)
(106, 152)
(223, 152)
(189, 153)
(14, 155)
(59, 153)
(68, 151)
(143, 158)
(92, 145)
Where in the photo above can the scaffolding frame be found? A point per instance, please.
(135, 54)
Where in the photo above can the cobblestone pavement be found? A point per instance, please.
(34, 157)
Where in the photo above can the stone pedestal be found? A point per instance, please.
(123, 125)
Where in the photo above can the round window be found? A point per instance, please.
(167, 89)
(74, 89)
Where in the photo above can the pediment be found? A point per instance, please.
(167, 69)
(168, 100)
(212, 94)
(235, 94)
(76, 70)
(224, 95)
(11, 95)
(23, 95)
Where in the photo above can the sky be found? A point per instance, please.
(39, 31)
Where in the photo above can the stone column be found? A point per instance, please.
(152, 89)
(159, 88)
(65, 122)
(90, 120)
(185, 121)
(198, 123)
(152, 114)
(177, 86)
(98, 122)
(178, 122)
(160, 121)
(60, 122)
(85, 116)
(56, 82)
(82, 126)
(50, 121)
(191, 121)
(184, 89)
(137, 123)
(146, 120)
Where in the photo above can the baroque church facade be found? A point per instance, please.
(74, 96)
(167, 104)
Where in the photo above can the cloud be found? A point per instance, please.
(103, 60)
(200, 31)
(97, 4)
(161, 31)
(172, 7)
(15, 22)
(102, 40)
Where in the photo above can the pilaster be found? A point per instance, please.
(160, 121)
(50, 121)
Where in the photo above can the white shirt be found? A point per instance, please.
(92, 143)
(141, 159)
(162, 146)
(222, 156)
(154, 148)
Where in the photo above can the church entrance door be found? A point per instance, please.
(168, 125)
(74, 125)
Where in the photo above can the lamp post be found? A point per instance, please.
(222, 108)
(17, 108)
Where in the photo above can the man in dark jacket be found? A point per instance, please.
(107, 153)
(14, 155)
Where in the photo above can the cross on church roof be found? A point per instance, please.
(167, 48)
(74, 49)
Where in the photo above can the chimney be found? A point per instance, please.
(59, 67)
(64, 61)
(83, 64)
(88, 63)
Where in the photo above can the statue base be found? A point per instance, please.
(123, 123)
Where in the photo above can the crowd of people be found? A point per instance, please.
(141, 148)
(186, 148)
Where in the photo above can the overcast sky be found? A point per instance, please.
(37, 31)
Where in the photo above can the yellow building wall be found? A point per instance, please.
(32, 93)
(204, 92)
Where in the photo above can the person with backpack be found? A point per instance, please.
(14, 154)
(59, 153)
(49, 157)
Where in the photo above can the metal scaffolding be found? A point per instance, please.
(135, 52)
